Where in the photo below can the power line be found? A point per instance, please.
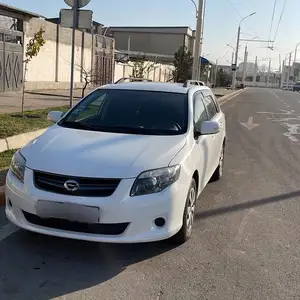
(234, 8)
(241, 17)
(273, 14)
(282, 12)
(225, 53)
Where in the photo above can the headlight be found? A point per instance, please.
(155, 181)
(17, 165)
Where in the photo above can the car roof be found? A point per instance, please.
(154, 86)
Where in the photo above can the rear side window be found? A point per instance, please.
(210, 105)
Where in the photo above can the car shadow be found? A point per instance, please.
(248, 205)
(35, 266)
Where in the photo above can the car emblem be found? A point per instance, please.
(71, 185)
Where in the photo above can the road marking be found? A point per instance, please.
(7, 230)
(292, 131)
(283, 118)
(273, 93)
(284, 112)
(250, 125)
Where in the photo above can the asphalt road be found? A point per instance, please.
(245, 244)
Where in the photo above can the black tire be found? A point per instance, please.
(188, 216)
(219, 170)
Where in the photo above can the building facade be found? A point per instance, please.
(160, 40)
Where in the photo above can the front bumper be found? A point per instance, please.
(137, 212)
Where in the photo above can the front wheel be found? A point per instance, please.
(188, 216)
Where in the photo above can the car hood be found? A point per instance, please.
(100, 154)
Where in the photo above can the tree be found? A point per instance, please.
(32, 50)
(183, 63)
(141, 67)
(223, 78)
(87, 77)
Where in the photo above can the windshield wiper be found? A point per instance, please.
(123, 129)
(78, 125)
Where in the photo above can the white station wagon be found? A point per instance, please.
(125, 165)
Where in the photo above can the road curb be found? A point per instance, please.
(20, 140)
(230, 96)
(2, 195)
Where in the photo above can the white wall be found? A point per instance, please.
(52, 67)
(42, 67)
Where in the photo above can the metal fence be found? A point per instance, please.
(11, 61)
(103, 69)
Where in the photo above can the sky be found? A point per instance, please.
(220, 27)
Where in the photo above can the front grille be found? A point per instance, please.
(62, 224)
(88, 187)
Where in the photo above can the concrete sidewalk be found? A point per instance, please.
(10, 102)
(221, 92)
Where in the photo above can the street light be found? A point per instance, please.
(195, 7)
(237, 50)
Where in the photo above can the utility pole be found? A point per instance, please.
(282, 72)
(202, 38)
(216, 71)
(244, 66)
(254, 72)
(236, 57)
(75, 24)
(129, 46)
(237, 50)
(269, 73)
(289, 71)
(279, 63)
(198, 44)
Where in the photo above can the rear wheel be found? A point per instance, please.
(188, 216)
(219, 171)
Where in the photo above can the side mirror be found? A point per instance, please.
(210, 127)
(54, 116)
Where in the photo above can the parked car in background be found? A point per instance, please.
(124, 165)
(132, 79)
(296, 87)
(194, 82)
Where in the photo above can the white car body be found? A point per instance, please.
(73, 153)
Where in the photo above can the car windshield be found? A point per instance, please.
(130, 111)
